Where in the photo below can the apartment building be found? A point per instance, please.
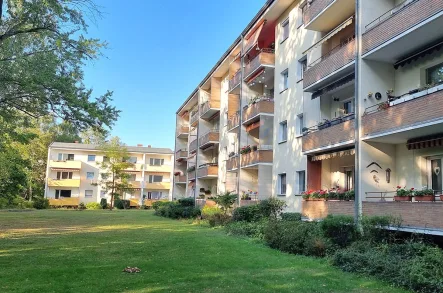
(310, 84)
(73, 174)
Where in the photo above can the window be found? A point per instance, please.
(91, 158)
(301, 67)
(105, 159)
(284, 30)
(434, 74)
(65, 157)
(283, 132)
(155, 194)
(155, 178)
(103, 193)
(57, 194)
(284, 80)
(301, 14)
(348, 107)
(300, 125)
(62, 193)
(282, 184)
(301, 181)
(89, 175)
(156, 162)
(131, 160)
(132, 177)
(64, 175)
(105, 176)
(88, 193)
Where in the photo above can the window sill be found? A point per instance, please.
(282, 41)
(300, 80)
(283, 141)
(281, 194)
(283, 90)
(299, 135)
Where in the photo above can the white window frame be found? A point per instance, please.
(301, 187)
(283, 132)
(60, 175)
(299, 125)
(87, 175)
(92, 156)
(301, 67)
(89, 191)
(300, 16)
(284, 80)
(156, 162)
(152, 178)
(280, 186)
(351, 100)
(65, 157)
(284, 30)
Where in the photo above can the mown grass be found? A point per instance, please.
(86, 251)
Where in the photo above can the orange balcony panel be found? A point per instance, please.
(208, 171)
(253, 112)
(256, 157)
(333, 135)
(232, 163)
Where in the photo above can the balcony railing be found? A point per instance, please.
(330, 62)
(208, 105)
(256, 157)
(74, 165)
(235, 80)
(193, 146)
(182, 130)
(64, 202)
(266, 57)
(252, 112)
(181, 154)
(191, 175)
(210, 138)
(158, 185)
(180, 179)
(330, 133)
(234, 121)
(208, 170)
(63, 182)
(232, 163)
(314, 9)
(194, 118)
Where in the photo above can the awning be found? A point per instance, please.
(417, 55)
(252, 37)
(329, 35)
(425, 142)
(64, 169)
(333, 86)
(333, 155)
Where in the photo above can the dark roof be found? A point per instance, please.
(134, 149)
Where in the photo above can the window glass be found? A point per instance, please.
(284, 80)
(302, 66)
(156, 162)
(348, 107)
(434, 75)
(155, 178)
(283, 131)
(301, 181)
(91, 158)
(300, 124)
(88, 193)
(285, 30)
(90, 175)
(282, 184)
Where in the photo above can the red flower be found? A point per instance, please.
(398, 187)
(412, 188)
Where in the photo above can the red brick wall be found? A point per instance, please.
(401, 115)
(315, 8)
(332, 135)
(414, 214)
(399, 23)
(330, 64)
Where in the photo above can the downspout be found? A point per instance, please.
(173, 157)
(47, 173)
(240, 119)
(197, 152)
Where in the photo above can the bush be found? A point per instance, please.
(4, 202)
(340, 229)
(122, 204)
(21, 203)
(272, 207)
(247, 229)
(219, 220)
(157, 204)
(93, 206)
(81, 206)
(40, 203)
(104, 203)
(208, 211)
(250, 213)
(291, 216)
(174, 210)
(373, 228)
(186, 202)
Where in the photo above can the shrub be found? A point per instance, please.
(209, 211)
(340, 229)
(81, 206)
(3, 203)
(291, 216)
(250, 213)
(104, 203)
(93, 206)
(157, 204)
(21, 203)
(40, 203)
(174, 210)
(122, 204)
(186, 202)
(373, 228)
(272, 207)
(226, 201)
(247, 229)
(220, 219)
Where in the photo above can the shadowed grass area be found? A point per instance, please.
(86, 251)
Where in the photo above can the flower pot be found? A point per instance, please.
(336, 121)
(425, 198)
(210, 203)
(402, 198)
(324, 125)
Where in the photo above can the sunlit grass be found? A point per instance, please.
(73, 251)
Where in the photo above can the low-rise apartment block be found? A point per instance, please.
(74, 172)
(306, 86)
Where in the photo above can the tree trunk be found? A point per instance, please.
(1, 10)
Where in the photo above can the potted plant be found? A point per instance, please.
(383, 106)
(389, 94)
(191, 169)
(403, 194)
(424, 195)
(254, 148)
(245, 150)
(349, 195)
(307, 195)
(305, 130)
(177, 173)
(245, 196)
(324, 124)
(201, 196)
(208, 192)
(336, 121)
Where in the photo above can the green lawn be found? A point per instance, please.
(73, 251)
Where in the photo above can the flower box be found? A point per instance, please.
(402, 198)
(425, 198)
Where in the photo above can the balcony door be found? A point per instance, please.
(435, 174)
(349, 178)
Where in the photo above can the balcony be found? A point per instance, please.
(180, 179)
(334, 134)
(254, 158)
(266, 58)
(232, 163)
(64, 202)
(135, 168)
(158, 168)
(158, 185)
(234, 82)
(63, 182)
(234, 121)
(193, 146)
(325, 15)
(334, 65)
(182, 131)
(65, 165)
(191, 175)
(135, 184)
(210, 140)
(181, 155)
(252, 113)
(208, 171)
(411, 115)
(403, 30)
(209, 109)
(194, 118)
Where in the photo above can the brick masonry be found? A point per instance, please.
(330, 64)
(413, 214)
(400, 22)
(406, 114)
(329, 136)
(315, 8)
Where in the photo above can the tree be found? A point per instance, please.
(42, 51)
(226, 201)
(114, 178)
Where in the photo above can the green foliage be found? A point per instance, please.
(186, 202)
(93, 206)
(374, 228)
(157, 204)
(21, 203)
(122, 204)
(247, 229)
(104, 203)
(272, 207)
(250, 213)
(219, 219)
(290, 216)
(226, 201)
(209, 211)
(340, 229)
(174, 210)
(81, 206)
(13, 174)
(40, 203)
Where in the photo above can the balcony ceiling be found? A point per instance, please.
(331, 17)
(396, 49)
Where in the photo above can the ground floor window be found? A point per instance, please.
(349, 178)
(155, 194)
(435, 175)
(62, 193)
(88, 193)
(282, 184)
(301, 181)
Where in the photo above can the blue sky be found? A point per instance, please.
(159, 51)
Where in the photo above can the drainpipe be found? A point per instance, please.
(357, 185)
(173, 157)
(47, 172)
(197, 152)
(240, 119)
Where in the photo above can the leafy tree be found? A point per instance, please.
(12, 174)
(114, 178)
(226, 201)
(43, 48)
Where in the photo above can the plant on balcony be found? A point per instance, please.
(231, 154)
(424, 195)
(245, 150)
(245, 196)
(190, 169)
(177, 173)
(208, 192)
(201, 196)
(403, 194)
(324, 124)
(349, 195)
(383, 106)
(305, 130)
(336, 121)
(254, 148)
